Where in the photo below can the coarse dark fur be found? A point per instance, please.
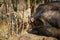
(47, 22)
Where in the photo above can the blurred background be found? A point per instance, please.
(14, 17)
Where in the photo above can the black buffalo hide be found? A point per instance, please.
(47, 20)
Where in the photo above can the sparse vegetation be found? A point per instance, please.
(14, 19)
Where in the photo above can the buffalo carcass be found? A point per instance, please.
(47, 20)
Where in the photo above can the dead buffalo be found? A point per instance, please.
(46, 20)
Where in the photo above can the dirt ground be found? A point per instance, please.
(28, 36)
